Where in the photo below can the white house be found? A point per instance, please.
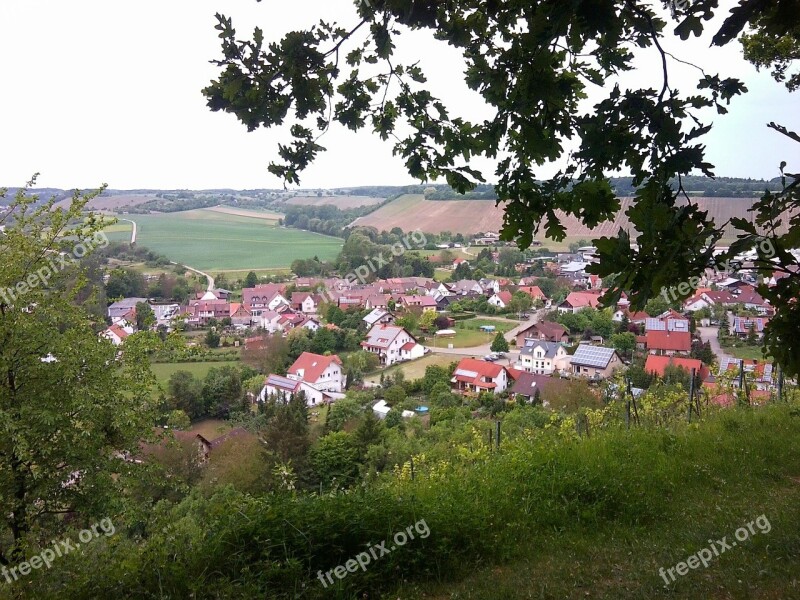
(542, 357)
(500, 299)
(117, 333)
(381, 409)
(320, 378)
(392, 344)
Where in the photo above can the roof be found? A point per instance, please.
(312, 365)
(592, 356)
(527, 383)
(657, 364)
(550, 330)
(550, 348)
(474, 371)
(374, 316)
(582, 299)
(283, 383)
(118, 331)
(679, 341)
(743, 324)
(666, 324)
(533, 291)
(505, 296)
(381, 336)
(408, 346)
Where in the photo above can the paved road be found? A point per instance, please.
(133, 233)
(709, 334)
(208, 277)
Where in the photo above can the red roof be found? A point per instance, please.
(679, 341)
(118, 331)
(312, 365)
(407, 346)
(582, 299)
(482, 370)
(657, 364)
(533, 291)
(505, 296)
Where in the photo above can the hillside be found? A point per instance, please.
(341, 202)
(413, 211)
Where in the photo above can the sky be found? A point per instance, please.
(109, 92)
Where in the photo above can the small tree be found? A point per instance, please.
(499, 344)
(251, 280)
(145, 318)
(212, 338)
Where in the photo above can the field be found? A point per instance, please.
(412, 211)
(415, 369)
(340, 202)
(112, 203)
(214, 239)
(163, 371)
(468, 333)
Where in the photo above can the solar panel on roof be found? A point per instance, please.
(465, 373)
(593, 356)
(281, 381)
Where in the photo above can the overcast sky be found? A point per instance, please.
(97, 91)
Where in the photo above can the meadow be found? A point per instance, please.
(215, 240)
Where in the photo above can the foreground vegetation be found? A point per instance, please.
(612, 509)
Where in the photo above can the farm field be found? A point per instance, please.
(415, 369)
(111, 202)
(412, 211)
(266, 215)
(214, 240)
(340, 202)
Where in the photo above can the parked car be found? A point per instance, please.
(489, 358)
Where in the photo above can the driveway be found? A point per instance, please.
(709, 334)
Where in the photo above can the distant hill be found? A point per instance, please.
(413, 211)
(342, 202)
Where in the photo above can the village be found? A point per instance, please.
(529, 346)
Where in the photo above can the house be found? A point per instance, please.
(240, 315)
(310, 323)
(423, 302)
(596, 362)
(761, 373)
(458, 261)
(489, 286)
(378, 315)
(668, 342)
(320, 375)
(501, 299)
(667, 323)
(527, 384)
(658, 364)
(741, 326)
(377, 301)
(392, 344)
(117, 333)
(542, 357)
(266, 296)
(305, 302)
(200, 312)
(124, 309)
(475, 376)
(577, 301)
(535, 293)
(543, 330)
(466, 286)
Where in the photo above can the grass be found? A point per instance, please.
(163, 371)
(468, 333)
(414, 369)
(210, 240)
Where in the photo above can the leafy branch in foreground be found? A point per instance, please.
(534, 63)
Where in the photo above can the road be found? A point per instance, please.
(133, 232)
(709, 334)
(208, 277)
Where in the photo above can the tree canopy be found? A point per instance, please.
(534, 62)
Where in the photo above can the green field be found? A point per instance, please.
(468, 333)
(415, 369)
(213, 240)
(163, 371)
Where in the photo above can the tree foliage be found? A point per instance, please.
(534, 63)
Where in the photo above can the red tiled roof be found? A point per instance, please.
(312, 365)
(657, 364)
(679, 341)
(407, 346)
(483, 369)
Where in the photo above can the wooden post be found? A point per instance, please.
(691, 395)
(411, 460)
(780, 384)
(498, 435)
